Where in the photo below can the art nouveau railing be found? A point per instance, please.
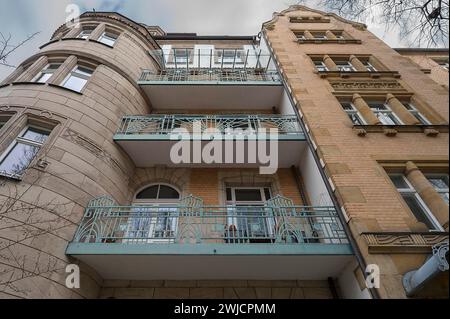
(213, 75)
(224, 124)
(107, 223)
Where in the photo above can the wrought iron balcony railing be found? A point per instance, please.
(161, 125)
(106, 223)
(191, 65)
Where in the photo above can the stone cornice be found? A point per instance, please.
(269, 24)
(403, 242)
(117, 17)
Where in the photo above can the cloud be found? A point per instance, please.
(231, 17)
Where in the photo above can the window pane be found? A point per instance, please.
(35, 135)
(75, 83)
(438, 182)
(83, 71)
(248, 195)
(229, 197)
(166, 192)
(18, 159)
(43, 77)
(267, 193)
(148, 193)
(417, 209)
(399, 182)
(108, 39)
(347, 106)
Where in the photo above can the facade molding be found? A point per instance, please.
(403, 243)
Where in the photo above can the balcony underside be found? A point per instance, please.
(204, 95)
(214, 261)
(149, 150)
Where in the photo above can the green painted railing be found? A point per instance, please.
(107, 223)
(223, 124)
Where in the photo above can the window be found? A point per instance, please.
(77, 79)
(440, 184)
(369, 66)
(108, 38)
(352, 113)
(86, 32)
(46, 73)
(414, 202)
(319, 36)
(414, 112)
(344, 66)
(384, 114)
(320, 66)
(443, 64)
(230, 56)
(181, 56)
(246, 214)
(3, 120)
(22, 151)
(155, 215)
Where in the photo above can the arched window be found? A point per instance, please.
(158, 192)
(155, 215)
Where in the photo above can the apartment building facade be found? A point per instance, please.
(89, 175)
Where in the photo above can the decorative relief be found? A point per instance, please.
(5, 108)
(93, 148)
(366, 85)
(403, 242)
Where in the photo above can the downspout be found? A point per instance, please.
(415, 280)
(352, 241)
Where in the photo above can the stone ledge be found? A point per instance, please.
(403, 242)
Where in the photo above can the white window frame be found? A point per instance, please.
(44, 71)
(233, 204)
(348, 67)
(235, 58)
(108, 36)
(369, 66)
(85, 33)
(437, 175)
(387, 111)
(322, 65)
(20, 140)
(82, 75)
(412, 191)
(417, 114)
(152, 206)
(355, 112)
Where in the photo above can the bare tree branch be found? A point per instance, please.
(7, 48)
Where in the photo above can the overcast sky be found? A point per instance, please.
(21, 18)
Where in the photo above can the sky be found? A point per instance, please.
(21, 18)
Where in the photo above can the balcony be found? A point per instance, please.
(202, 79)
(148, 140)
(191, 241)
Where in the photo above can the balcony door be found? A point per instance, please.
(248, 218)
(154, 216)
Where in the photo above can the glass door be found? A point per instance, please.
(248, 218)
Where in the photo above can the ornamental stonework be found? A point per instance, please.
(403, 242)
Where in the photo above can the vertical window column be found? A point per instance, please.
(365, 110)
(98, 31)
(63, 70)
(401, 111)
(330, 35)
(34, 69)
(358, 65)
(428, 193)
(74, 32)
(331, 66)
(308, 35)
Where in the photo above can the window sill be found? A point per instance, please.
(14, 177)
(104, 44)
(392, 130)
(328, 41)
(64, 88)
(359, 74)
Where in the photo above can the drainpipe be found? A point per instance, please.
(359, 257)
(415, 280)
